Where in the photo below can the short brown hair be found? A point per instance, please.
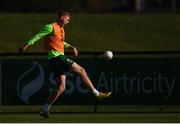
(62, 13)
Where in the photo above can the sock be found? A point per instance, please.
(95, 92)
(46, 107)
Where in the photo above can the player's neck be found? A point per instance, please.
(60, 23)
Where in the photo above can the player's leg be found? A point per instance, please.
(56, 92)
(81, 71)
(59, 90)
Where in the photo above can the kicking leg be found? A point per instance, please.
(81, 71)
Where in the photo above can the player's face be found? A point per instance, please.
(65, 19)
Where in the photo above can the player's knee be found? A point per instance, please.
(81, 70)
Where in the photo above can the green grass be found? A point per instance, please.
(96, 32)
(78, 114)
(91, 118)
(91, 109)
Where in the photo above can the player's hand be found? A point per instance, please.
(75, 52)
(23, 48)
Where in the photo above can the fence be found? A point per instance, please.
(136, 79)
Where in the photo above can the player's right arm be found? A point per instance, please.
(46, 30)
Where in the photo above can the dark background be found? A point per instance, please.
(90, 6)
(122, 94)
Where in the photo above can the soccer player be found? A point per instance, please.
(54, 41)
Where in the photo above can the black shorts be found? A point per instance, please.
(60, 64)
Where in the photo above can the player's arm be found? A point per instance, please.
(46, 30)
(68, 46)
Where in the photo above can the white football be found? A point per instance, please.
(108, 55)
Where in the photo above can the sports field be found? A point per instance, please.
(84, 114)
(92, 118)
(95, 32)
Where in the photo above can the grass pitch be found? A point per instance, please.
(96, 32)
(92, 118)
(86, 114)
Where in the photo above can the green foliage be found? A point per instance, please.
(96, 32)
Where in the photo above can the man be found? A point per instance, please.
(54, 41)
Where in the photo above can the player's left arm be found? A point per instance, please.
(68, 46)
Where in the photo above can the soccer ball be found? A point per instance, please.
(108, 55)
